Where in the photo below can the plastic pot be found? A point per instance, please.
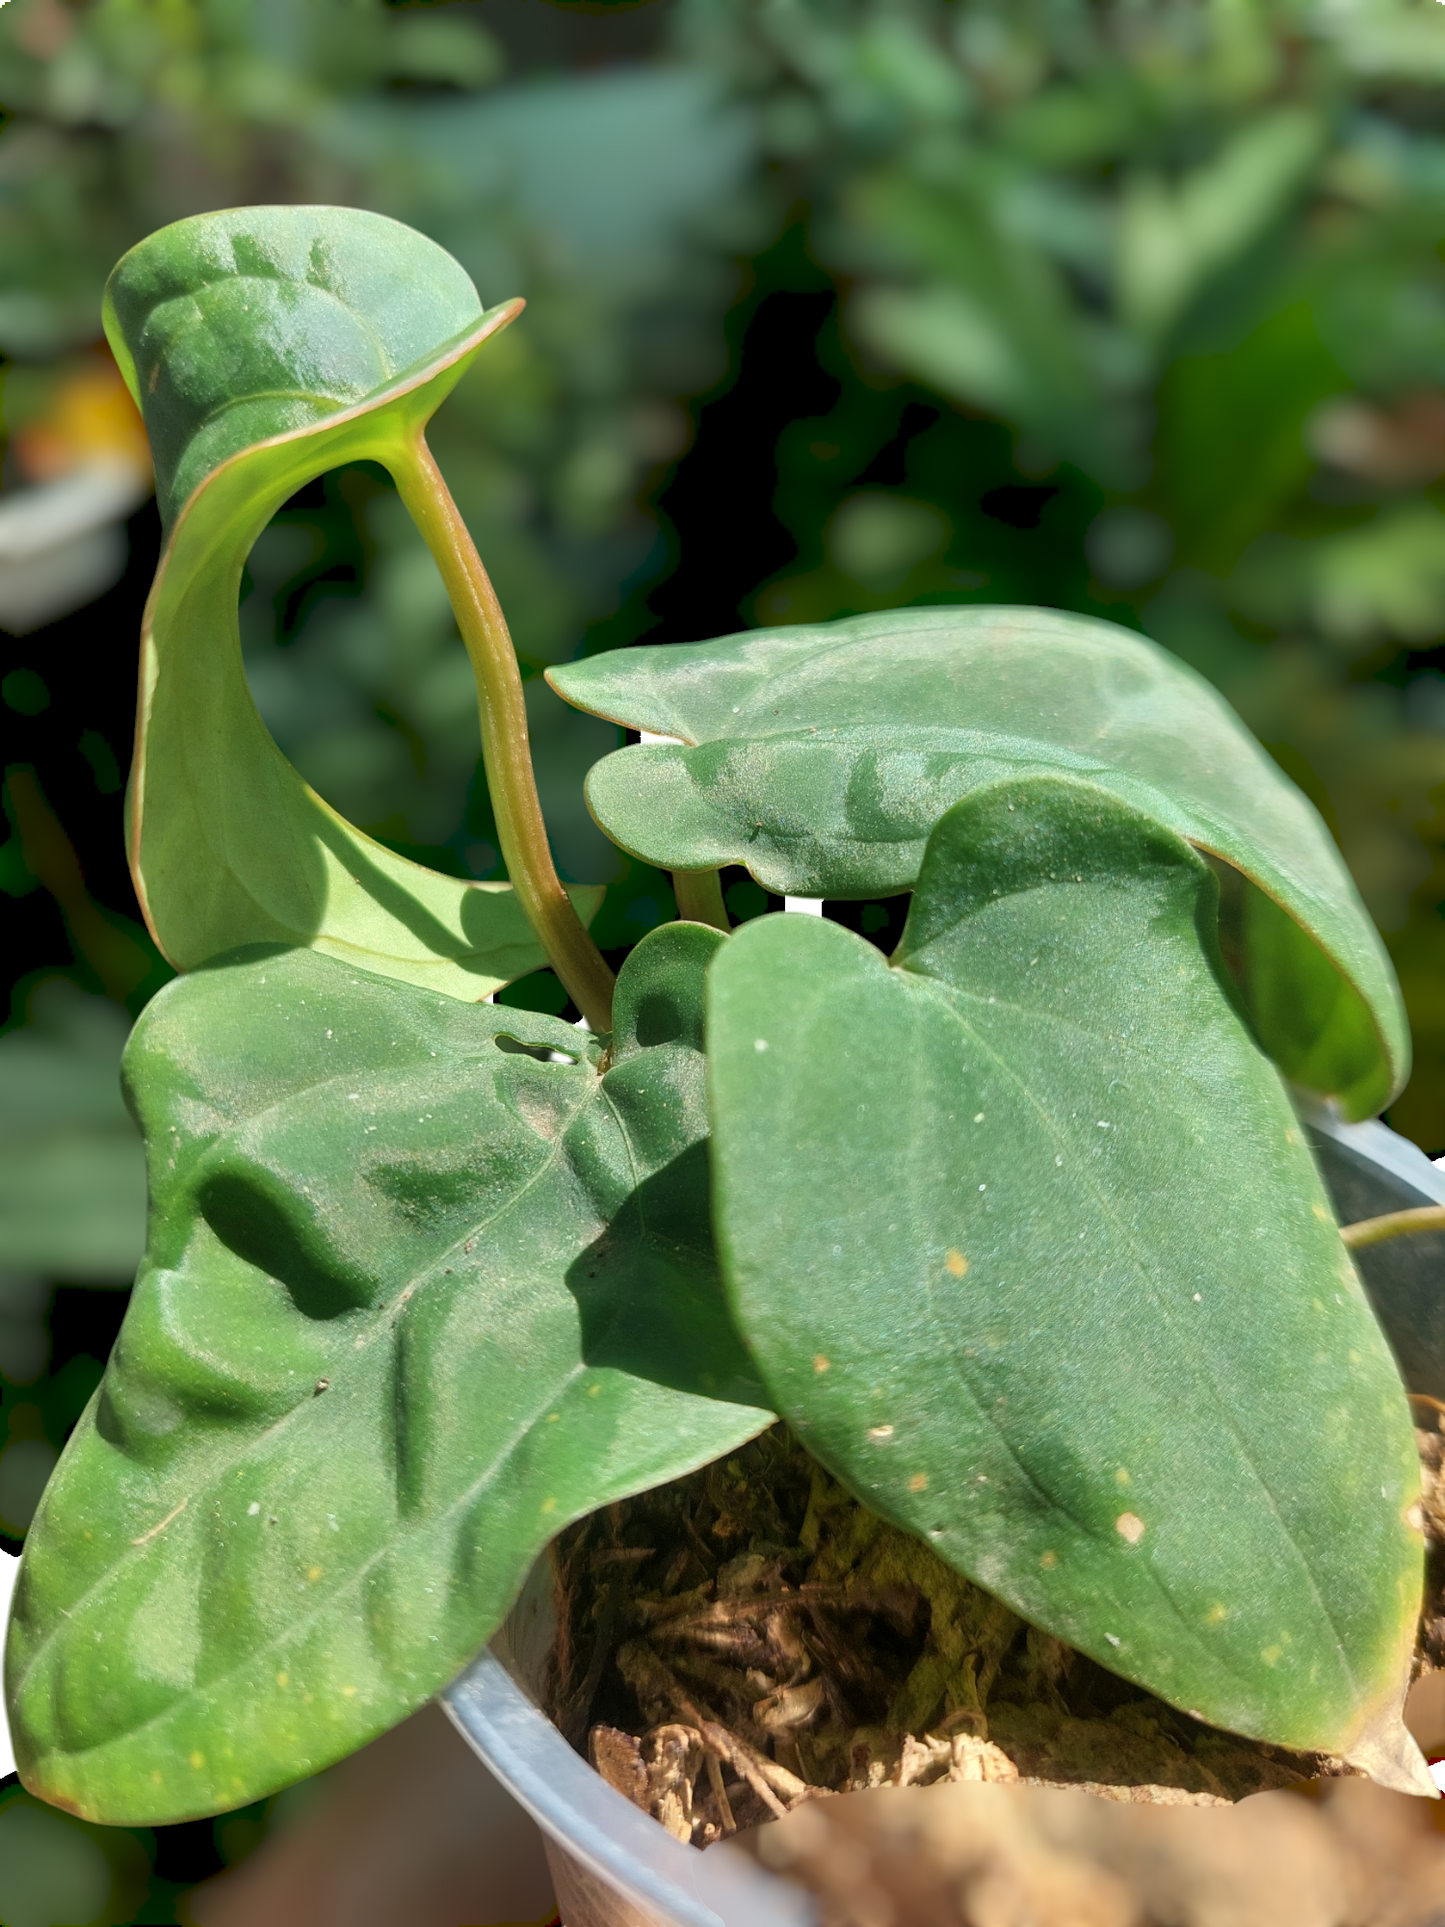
(613, 1865)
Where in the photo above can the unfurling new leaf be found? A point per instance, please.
(266, 346)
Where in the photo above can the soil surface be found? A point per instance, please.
(742, 1641)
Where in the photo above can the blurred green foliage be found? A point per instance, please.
(1186, 254)
(1129, 306)
(126, 114)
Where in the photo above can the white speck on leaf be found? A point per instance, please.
(253, 1509)
(1198, 1298)
(760, 1043)
(978, 1117)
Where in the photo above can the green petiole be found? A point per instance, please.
(506, 752)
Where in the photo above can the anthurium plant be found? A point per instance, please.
(1016, 1227)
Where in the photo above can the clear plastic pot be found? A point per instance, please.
(612, 1865)
(616, 1867)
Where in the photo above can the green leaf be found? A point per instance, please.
(1173, 244)
(1028, 1246)
(823, 757)
(415, 1297)
(266, 346)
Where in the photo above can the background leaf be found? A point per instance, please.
(72, 1175)
(823, 758)
(415, 1297)
(1028, 1245)
(266, 346)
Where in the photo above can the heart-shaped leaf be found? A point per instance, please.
(266, 346)
(823, 757)
(1028, 1245)
(415, 1297)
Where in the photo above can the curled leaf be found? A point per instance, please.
(823, 757)
(266, 346)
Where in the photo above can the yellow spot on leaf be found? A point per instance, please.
(955, 1264)
(1049, 1560)
(313, 1574)
(1216, 1615)
(1121, 1477)
(283, 1680)
(1320, 1213)
(198, 1759)
(1270, 1654)
(552, 1417)
(919, 1482)
(549, 1505)
(1129, 1526)
(348, 1692)
(821, 1364)
(593, 1391)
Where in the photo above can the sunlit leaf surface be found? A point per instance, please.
(1028, 1245)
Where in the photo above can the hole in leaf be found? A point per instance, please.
(543, 1053)
(542, 991)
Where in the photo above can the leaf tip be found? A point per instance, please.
(1386, 1751)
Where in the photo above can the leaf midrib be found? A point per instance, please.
(1148, 1277)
